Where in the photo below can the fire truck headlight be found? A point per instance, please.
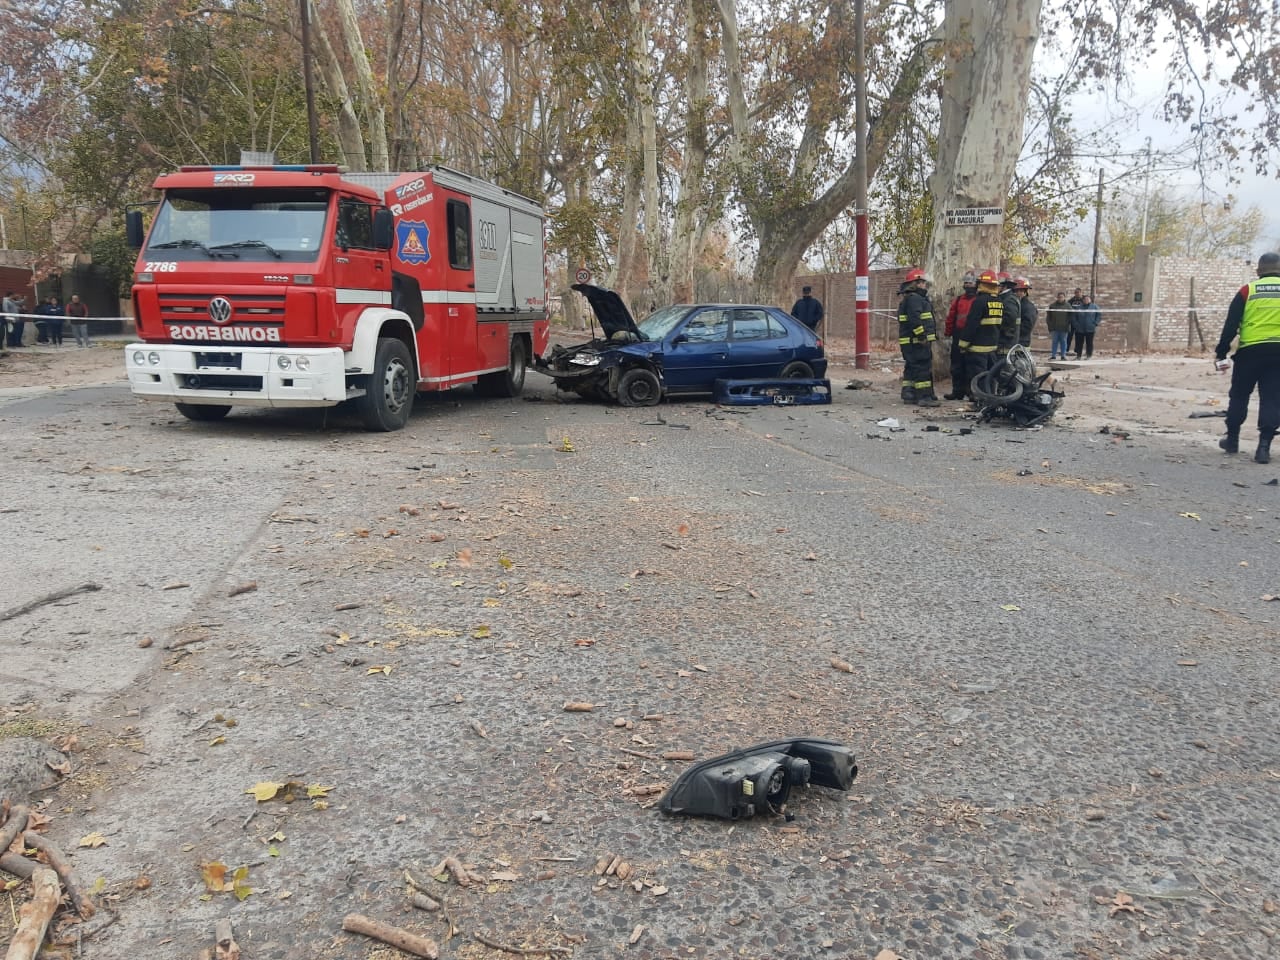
(153, 358)
(284, 363)
(139, 358)
(304, 364)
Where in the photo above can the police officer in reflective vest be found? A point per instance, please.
(916, 334)
(981, 333)
(1254, 317)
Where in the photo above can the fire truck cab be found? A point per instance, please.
(302, 286)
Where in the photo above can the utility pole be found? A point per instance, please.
(1146, 193)
(313, 135)
(862, 279)
(1097, 237)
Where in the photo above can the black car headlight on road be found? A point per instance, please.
(759, 779)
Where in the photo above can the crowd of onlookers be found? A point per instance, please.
(1072, 324)
(49, 317)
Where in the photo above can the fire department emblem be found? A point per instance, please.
(220, 310)
(411, 241)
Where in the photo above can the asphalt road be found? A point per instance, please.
(1060, 685)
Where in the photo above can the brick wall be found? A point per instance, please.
(1125, 294)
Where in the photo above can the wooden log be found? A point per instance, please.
(84, 906)
(412, 943)
(34, 916)
(14, 826)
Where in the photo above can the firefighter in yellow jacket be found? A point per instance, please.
(1254, 318)
(980, 336)
(917, 332)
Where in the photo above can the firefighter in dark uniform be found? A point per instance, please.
(953, 328)
(1011, 318)
(1030, 313)
(916, 334)
(981, 334)
(1254, 317)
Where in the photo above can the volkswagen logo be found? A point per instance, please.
(220, 310)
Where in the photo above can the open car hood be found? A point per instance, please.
(609, 309)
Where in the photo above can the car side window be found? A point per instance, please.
(707, 326)
(753, 325)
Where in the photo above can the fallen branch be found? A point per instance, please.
(401, 939)
(87, 931)
(15, 825)
(463, 876)
(48, 598)
(18, 865)
(84, 906)
(35, 915)
(522, 951)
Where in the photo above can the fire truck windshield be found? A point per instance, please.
(245, 224)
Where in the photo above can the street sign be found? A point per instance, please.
(974, 216)
(582, 276)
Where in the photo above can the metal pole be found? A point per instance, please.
(862, 279)
(313, 133)
(1097, 237)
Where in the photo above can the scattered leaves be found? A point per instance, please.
(93, 840)
(1189, 516)
(1011, 607)
(384, 669)
(481, 632)
(1122, 903)
(566, 445)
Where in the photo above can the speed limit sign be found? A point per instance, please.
(583, 275)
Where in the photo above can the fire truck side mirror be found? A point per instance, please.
(133, 228)
(383, 229)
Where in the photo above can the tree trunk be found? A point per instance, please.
(350, 138)
(641, 63)
(688, 231)
(990, 46)
(365, 83)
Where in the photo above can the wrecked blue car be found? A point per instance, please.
(681, 349)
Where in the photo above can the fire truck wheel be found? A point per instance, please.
(389, 392)
(509, 382)
(203, 411)
(639, 387)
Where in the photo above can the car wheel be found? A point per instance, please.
(389, 390)
(509, 382)
(798, 370)
(639, 387)
(203, 411)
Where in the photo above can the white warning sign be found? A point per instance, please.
(974, 216)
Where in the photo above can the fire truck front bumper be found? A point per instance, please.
(246, 376)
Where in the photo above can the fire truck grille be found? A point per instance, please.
(178, 307)
(221, 381)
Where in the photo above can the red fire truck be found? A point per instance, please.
(304, 286)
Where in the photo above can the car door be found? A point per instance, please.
(697, 351)
(758, 344)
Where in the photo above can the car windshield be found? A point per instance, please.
(241, 224)
(658, 325)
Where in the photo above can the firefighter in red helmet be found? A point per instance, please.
(916, 334)
(981, 334)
